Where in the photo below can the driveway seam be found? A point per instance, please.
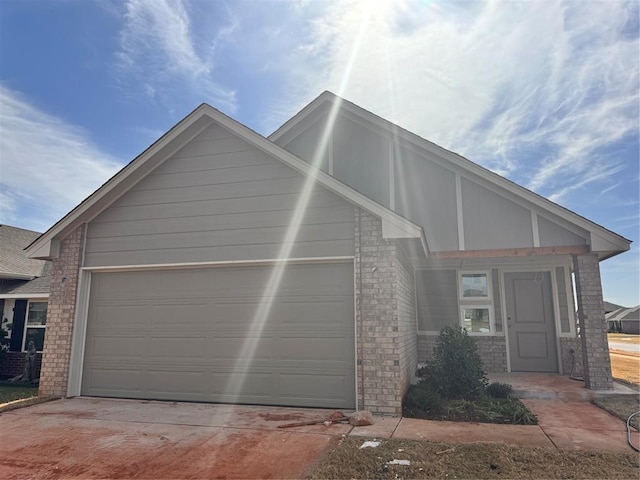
(546, 435)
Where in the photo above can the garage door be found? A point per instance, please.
(201, 335)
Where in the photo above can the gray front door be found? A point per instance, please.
(530, 322)
(207, 335)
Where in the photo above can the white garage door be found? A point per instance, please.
(201, 335)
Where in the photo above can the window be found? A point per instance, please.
(476, 319)
(476, 302)
(474, 285)
(35, 325)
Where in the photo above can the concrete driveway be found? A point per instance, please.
(108, 438)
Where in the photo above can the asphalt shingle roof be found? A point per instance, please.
(13, 258)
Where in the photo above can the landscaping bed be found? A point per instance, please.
(13, 391)
(485, 409)
(470, 460)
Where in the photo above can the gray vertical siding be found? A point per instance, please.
(552, 234)
(437, 298)
(361, 159)
(426, 195)
(217, 199)
(491, 221)
(308, 146)
(563, 301)
(497, 306)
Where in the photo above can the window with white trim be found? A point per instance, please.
(35, 325)
(476, 302)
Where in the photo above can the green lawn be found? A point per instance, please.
(9, 392)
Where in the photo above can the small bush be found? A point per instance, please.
(499, 390)
(456, 370)
(423, 397)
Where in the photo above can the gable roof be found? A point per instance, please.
(14, 262)
(632, 313)
(602, 239)
(47, 245)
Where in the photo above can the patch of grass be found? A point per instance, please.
(11, 392)
(622, 406)
(485, 409)
(471, 460)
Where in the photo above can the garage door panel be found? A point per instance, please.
(178, 334)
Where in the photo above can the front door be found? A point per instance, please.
(530, 322)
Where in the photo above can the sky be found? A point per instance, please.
(545, 93)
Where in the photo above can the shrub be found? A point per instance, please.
(423, 397)
(456, 371)
(499, 390)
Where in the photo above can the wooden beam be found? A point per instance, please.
(512, 252)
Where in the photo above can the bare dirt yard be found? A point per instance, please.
(395, 458)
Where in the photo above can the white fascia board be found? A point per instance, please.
(24, 295)
(45, 247)
(443, 155)
(45, 250)
(15, 276)
(403, 228)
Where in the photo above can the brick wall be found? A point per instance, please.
(593, 329)
(570, 360)
(63, 288)
(14, 363)
(385, 318)
(492, 351)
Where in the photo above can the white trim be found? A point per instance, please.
(221, 263)
(355, 331)
(392, 175)
(459, 211)
(505, 318)
(487, 274)
(443, 156)
(112, 184)
(535, 229)
(556, 313)
(23, 295)
(479, 306)
(79, 335)
(214, 116)
(26, 323)
(570, 303)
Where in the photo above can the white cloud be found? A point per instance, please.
(161, 55)
(533, 90)
(46, 165)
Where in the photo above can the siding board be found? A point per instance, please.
(214, 210)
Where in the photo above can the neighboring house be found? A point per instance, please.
(24, 292)
(624, 320)
(313, 268)
(610, 307)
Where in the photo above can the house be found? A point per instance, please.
(312, 268)
(24, 292)
(624, 320)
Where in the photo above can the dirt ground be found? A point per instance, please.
(626, 367)
(86, 438)
(474, 460)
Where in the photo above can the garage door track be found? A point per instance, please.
(105, 438)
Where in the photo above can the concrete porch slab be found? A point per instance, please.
(554, 386)
(580, 425)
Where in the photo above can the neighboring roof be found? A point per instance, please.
(632, 313)
(14, 262)
(27, 288)
(607, 241)
(47, 245)
(610, 307)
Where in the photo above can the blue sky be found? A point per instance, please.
(545, 93)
